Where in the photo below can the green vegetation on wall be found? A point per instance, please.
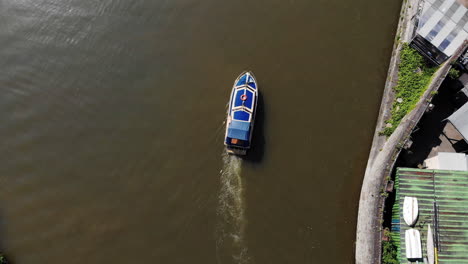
(453, 74)
(389, 251)
(414, 77)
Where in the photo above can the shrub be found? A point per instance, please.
(453, 74)
(413, 78)
(389, 252)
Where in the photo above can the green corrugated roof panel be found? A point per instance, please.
(396, 220)
(449, 189)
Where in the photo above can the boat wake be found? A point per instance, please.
(230, 244)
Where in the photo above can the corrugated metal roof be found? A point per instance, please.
(449, 190)
(444, 24)
(459, 120)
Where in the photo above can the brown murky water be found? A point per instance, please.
(111, 127)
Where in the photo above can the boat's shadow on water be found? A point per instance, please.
(256, 153)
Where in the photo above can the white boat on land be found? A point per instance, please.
(410, 210)
(430, 245)
(413, 244)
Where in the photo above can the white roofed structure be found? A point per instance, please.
(459, 120)
(447, 161)
(442, 28)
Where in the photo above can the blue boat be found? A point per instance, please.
(241, 114)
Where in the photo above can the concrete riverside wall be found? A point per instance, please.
(368, 224)
(385, 151)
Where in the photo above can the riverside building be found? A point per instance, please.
(441, 28)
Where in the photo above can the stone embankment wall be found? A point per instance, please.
(385, 151)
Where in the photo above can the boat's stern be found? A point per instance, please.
(237, 142)
(236, 151)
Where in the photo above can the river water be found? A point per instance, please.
(111, 127)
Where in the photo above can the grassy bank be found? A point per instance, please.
(414, 77)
